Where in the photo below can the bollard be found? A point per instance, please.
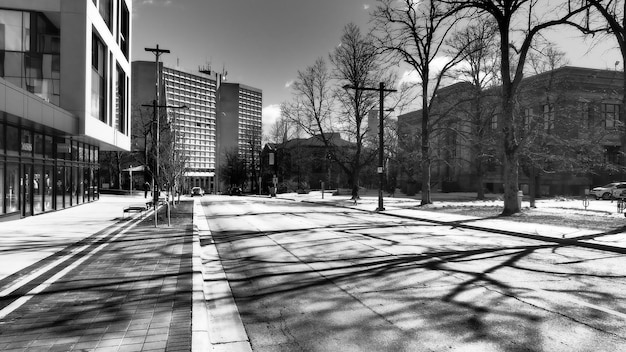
(520, 195)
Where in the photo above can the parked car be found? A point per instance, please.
(197, 191)
(607, 191)
(235, 191)
(619, 191)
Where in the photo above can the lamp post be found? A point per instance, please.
(381, 144)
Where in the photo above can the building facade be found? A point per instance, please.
(239, 126)
(190, 102)
(64, 96)
(304, 163)
(569, 126)
(208, 116)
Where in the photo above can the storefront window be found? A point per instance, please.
(47, 187)
(11, 195)
(77, 178)
(38, 186)
(69, 186)
(59, 187)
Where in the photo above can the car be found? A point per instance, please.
(197, 191)
(607, 191)
(235, 191)
(619, 191)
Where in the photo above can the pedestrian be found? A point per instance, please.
(355, 194)
(146, 188)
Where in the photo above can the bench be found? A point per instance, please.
(135, 209)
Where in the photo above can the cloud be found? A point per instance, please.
(410, 76)
(366, 7)
(289, 83)
(270, 114)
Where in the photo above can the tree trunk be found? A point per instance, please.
(511, 157)
(480, 189)
(425, 147)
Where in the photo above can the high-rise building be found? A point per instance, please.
(192, 100)
(217, 118)
(64, 96)
(239, 125)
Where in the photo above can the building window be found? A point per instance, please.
(29, 53)
(583, 115)
(120, 100)
(548, 117)
(494, 121)
(610, 115)
(124, 28)
(106, 10)
(98, 79)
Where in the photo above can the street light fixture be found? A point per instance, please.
(381, 145)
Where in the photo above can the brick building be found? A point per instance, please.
(569, 125)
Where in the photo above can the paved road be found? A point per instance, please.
(312, 277)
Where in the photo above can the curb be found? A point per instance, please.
(216, 324)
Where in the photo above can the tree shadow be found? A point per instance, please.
(133, 288)
(413, 285)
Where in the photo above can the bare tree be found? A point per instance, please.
(479, 69)
(357, 64)
(415, 33)
(532, 17)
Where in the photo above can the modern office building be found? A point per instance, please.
(239, 125)
(64, 96)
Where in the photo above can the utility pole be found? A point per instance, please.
(155, 106)
(381, 144)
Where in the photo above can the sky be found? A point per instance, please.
(264, 43)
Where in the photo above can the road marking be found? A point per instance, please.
(30, 294)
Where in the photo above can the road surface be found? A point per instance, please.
(312, 277)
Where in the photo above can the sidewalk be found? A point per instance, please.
(406, 207)
(85, 279)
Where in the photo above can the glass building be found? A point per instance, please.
(54, 116)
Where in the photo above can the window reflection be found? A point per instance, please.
(29, 57)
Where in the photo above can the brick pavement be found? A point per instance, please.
(133, 294)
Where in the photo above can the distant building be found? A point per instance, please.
(574, 104)
(218, 117)
(64, 96)
(239, 125)
(194, 125)
(303, 163)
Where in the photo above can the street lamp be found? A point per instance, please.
(381, 89)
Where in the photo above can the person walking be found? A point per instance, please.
(146, 188)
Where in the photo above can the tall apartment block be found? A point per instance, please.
(239, 127)
(195, 125)
(64, 96)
